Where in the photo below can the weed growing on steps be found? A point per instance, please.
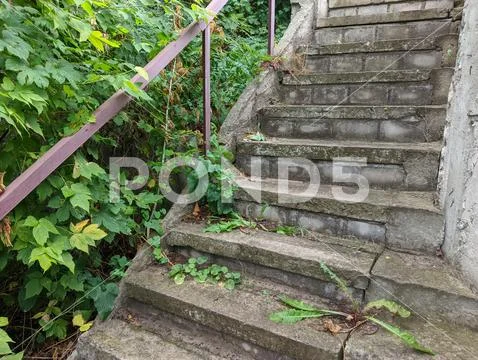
(235, 221)
(298, 311)
(196, 268)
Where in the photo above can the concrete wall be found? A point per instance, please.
(459, 167)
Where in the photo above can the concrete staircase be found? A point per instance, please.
(341, 104)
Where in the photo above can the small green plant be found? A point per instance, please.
(287, 230)
(258, 136)
(196, 269)
(298, 311)
(235, 222)
(120, 264)
(5, 341)
(158, 253)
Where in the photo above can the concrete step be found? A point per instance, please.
(398, 219)
(443, 42)
(379, 32)
(369, 7)
(366, 123)
(383, 18)
(381, 55)
(294, 261)
(390, 87)
(427, 285)
(408, 166)
(414, 280)
(118, 340)
(242, 313)
(448, 342)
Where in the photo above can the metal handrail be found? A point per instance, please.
(24, 184)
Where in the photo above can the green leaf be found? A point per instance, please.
(42, 230)
(33, 288)
(179, 278)
(408, 338)
(43, 258)
(3, 321)
(67, 260)
(391, 306)
(81, 201)
(142, 72)
(18, 356)
(292, 316)
(297, 304)
(80, 242)
(94, 232)
(104, 298)
(83, 28)
(36, 75)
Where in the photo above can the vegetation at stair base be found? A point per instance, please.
(357, 317)
(64, 248)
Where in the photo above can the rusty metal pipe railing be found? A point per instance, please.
(206, 63)
(24, 184)
(271, 27)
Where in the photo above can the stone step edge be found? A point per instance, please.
(372, 77)
(397, 17)
(242, 313)
(376, 152)
(296, 255)
(362, 112)
(103, 341)
(378, 46)
(445, 279)
(374, 208)
(339, 4)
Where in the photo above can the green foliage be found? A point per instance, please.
(299, 310)
(390, 306)
(58, 62)
(196, 269)
(258, 136)
(409, 339)
(341, 284)
(5, 341)
(287, 230)
(228, 225)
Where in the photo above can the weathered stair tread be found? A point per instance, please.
(370, 46)
(449, 343)
(293, 254)
(374, 152)
(396, 17)
(366, 112)
(118, 340)
(242, 313)
(349, 3)
(422, 271)
(358, 77)
(374, 207)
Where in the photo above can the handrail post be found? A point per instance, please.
(272, 27)
(206, 63)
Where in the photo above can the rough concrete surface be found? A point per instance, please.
(459, 173)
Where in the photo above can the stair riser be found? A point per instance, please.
(375, 62)
(427, 302)
(407, 176)
(412, 126)
(322, 288)
(428, 92)
(383, 18)
(396, 228)
(228, 325)
(365, 33)
(351, 8)
(193, 336)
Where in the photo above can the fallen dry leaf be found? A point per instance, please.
(5, 232)
(329, 325)
(197, 211)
